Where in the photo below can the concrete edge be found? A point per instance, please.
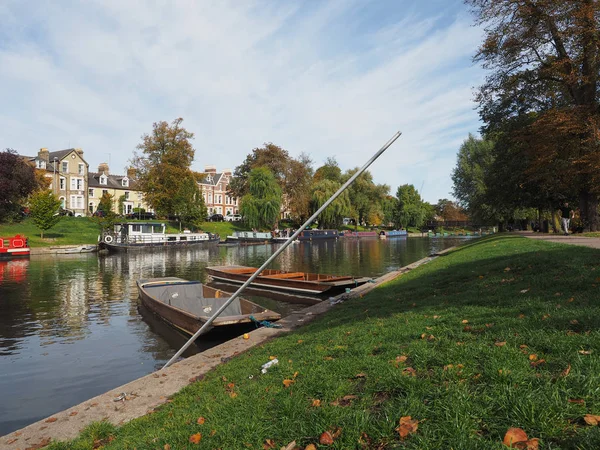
(141, 396)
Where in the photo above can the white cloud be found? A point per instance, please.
(329, 78)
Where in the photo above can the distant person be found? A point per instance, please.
(567, 214)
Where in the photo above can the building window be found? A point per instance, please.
(81, 170)
(40, 163)
(76, 201)
(90, 192)
(76, 184)
(63, 183)
(65, 166)
(125, 182)
(104, 192)
(126, 195)
(209, 198)
(91, 207)
(103, 180)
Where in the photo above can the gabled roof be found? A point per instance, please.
(112, 182)
(215, 178)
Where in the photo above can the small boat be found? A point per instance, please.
(309, 235)
(14, 247)
(307, 283)
(392, 234)
(135, 235)
(249, 237)
(359, 234)
(187, 305)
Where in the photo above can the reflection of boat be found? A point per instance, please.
(359, 234)
(187, 305)
(308, 283)
(71, 250)
(14, 247)
(14, 270)
(135, 235)
(393, 234)
(309, 235)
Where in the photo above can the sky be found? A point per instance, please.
(325, 77)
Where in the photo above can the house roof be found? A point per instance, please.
(215, 179)
(112, 182)
(59, 155)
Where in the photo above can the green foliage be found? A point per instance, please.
(43, 208)
(122, 204)
(411, 210)
(365, 197)
(106, 217)
(329, 171)
(261, 206)
(333, 215)
(17, 182)
(189, 204)
(163, 167)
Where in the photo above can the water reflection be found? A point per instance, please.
(70, 327)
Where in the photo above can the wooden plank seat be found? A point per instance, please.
(285, 275)
(242, 270)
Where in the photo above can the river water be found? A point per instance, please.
(71, 327)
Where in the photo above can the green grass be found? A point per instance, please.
(591, 234)
(224, 229)
(70, 230)
(520, 297)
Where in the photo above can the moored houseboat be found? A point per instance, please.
(393, 234)
(249, 237)
(14, 247)
(135, 235)
(310, 235)
(359, 234)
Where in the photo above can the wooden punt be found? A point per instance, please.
(187, 305)
(302, 282)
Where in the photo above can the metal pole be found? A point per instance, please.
(281, 249)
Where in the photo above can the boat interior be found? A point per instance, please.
(282, 275)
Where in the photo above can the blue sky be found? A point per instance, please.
(328, 78)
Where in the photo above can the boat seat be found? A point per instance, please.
(286, 275)
(242, 270)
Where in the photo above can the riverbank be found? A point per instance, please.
(500, 333)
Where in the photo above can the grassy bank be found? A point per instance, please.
(501, 333)
(70, 230)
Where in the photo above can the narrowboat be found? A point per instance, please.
(14, 247)
(310, 235)
(359, 234)
(249, 237)
(393, 234)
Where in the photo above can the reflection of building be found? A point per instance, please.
(214, 190)
(119, 186)
(68, 171)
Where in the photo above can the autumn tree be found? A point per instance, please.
(365, 197)
(261, 206)
(333, 215)
(43, 209)
(17, 181)
(329, 171)
(163, 167)
(298, 185)
(544, 63)
(449, 211)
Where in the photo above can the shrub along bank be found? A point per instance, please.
(500, 333)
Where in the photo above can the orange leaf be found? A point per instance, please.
(287, 383)
(538, 362)
(310, 447)
(269, 443)
(233, 394)
(295, 375)
(514, 436)
(326, 438)
(591, 419)
(464, 321)
(271, 358)
(533, 357)
(409, 371)
(407, 426)
(230, 386)
(401, 358)
(571, 300)
(51, 419)
(574, 322)
(73, 413)
(195, 438)
(167, 447)
(346, 400)
(500, 344)
(201, 421)
(300, 341)
(566, 372)
(582, 352)
(316, 403)
(579, 401)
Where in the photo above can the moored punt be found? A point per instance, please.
(302, 282)
(309, 235)
(14, 247)
(393, 234)
(359, 234)
(187, 305)
(137, 235)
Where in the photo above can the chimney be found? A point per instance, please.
(79, 151)
(210, 169)
(131, 172)
(44, 154)
(103, 167)
(227, 172)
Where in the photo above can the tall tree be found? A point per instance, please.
(260, 207)
(329, 171)
(189, 205)
(333, 215)
(544, 60)
(366, 197)
(43, 208)
(17, 181)
(105, 216)
(411, 210)
(163, 166)
(298, 185)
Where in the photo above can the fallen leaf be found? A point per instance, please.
(507, 269)
(287, 382)
(271, 358)
(464, 321)
(500, 344)
(436, 317)
(533, 357)
(300, 341)
(521, 316)
(233, 394)
(571, 300)
(407, 426)
(269, 443)
(167, 447)
(591, 419)
(310, 447)
(200, 420)
(11, 441)
(51, 420)
(480, 276)
(409, 371)
(522, 292)
(538, 362)
(195, 438)
(290, 446)
(401, 358)
(574, 322)
(328, 358)
(360, 375)
(585, 352)
(316, 403)
(545, 316)
(344, 401)
(326, 438)
(295, 375)
(522, 346)
(514, 436)
(566, 372)
(578, 401)
(73, 413)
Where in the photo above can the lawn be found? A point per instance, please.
(70, 230)
(501, 333)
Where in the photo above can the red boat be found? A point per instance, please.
(14, 247)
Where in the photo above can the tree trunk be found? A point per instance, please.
(42, 234)
(588, 206)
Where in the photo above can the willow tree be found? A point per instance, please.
(544, 63)
(261, 206)
(333, 215)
